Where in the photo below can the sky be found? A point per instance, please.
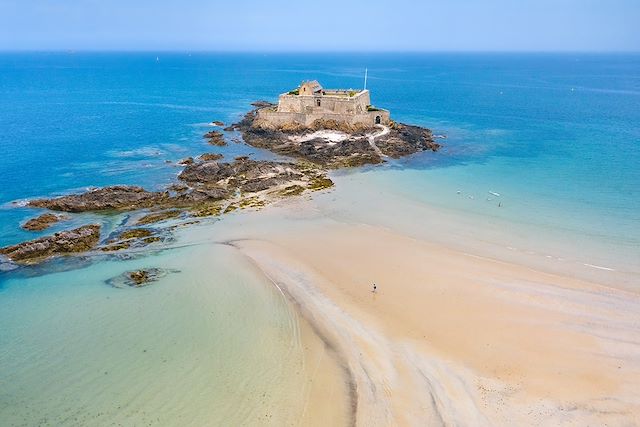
(325, 25)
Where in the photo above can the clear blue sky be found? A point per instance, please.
(330, 25)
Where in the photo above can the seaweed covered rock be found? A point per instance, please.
(79, 239)
(135, 233)
(159, 216)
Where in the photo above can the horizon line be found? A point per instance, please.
(313, 51)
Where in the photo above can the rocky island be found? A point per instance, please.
(321, 129)
(332, 128)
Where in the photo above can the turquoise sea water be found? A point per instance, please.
(559, 130)
(557, 136)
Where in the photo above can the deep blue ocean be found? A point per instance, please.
(558, 133)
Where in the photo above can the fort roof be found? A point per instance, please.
(309, 88)
(314, 88)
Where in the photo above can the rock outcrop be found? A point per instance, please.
(119, 197)
(204, 182)
(80, 239)
(216, 138)
(43, 222)
(187, 161)
(207, 157)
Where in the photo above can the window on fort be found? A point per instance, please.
(318, 102)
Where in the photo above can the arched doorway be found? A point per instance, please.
(377, 120)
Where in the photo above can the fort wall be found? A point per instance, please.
(278, 118)
(310, 103)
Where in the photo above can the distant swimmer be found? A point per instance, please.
(375, 288)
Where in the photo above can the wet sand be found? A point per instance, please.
(449, 338)
(456, 339)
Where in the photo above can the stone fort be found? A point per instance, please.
(311, 102)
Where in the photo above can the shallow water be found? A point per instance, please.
(212, 344)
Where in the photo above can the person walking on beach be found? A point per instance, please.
(375, 288)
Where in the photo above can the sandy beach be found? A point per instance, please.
(449, 338)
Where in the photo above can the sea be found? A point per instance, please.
(539, 165)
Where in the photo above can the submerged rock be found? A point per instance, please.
(80, 239)
(132, 238)
(119, 197)
(159, 216)
(43, 222)
(139, 278)
(118, 246)
(135, 233)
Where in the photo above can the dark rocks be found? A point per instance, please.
(209, 157)
(120, 197)
(262, 104)
(217, 123)
(80, 239)
(42, 222)
(215, 138)
(403, 140)
(216, 181)
(139, 278)
(187, 161)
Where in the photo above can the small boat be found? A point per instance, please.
(494, 194)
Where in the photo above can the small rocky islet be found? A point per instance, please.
(43, 221)
(208, 186)
(138, 278)
(358, 145)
